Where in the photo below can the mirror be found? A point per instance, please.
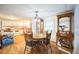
(64, 24)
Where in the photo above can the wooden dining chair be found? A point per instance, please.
(28, 41)
(0, 41)
(47, 39)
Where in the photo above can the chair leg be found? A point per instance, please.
(25, 50)
(1, 45)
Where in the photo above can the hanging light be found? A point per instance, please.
(39, 23)
(36, 16)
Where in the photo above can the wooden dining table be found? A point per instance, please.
(39, 45)
(39, 35)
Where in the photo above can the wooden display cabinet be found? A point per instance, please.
(64, 31)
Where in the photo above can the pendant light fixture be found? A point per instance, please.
(39, 23)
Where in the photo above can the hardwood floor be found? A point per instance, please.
(16, 48)
(55, 50)
(19, 45)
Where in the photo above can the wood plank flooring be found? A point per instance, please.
(16, 48)
(19, 45)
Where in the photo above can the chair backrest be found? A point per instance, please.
(0, 37)
(48, 36)
(28, 35)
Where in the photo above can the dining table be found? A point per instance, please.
(39, 40)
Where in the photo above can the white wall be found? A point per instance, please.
(50, 23)
(76, 31)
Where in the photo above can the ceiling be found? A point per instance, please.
(28, 10)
